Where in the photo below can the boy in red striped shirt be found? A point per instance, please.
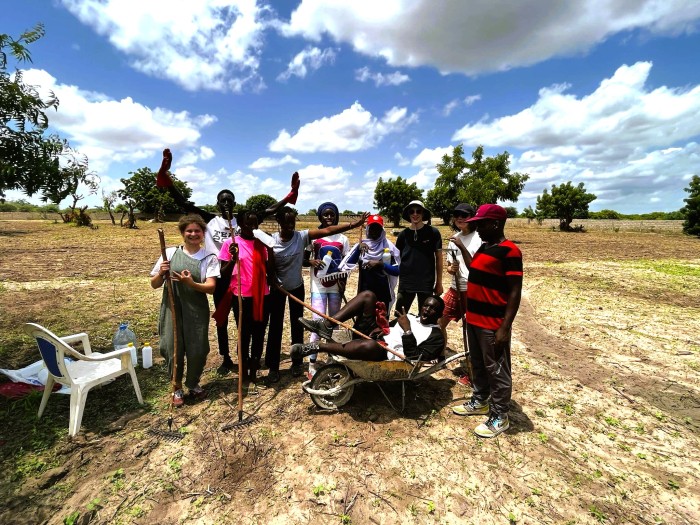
(493, 298)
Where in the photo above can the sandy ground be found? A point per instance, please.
(605, 416)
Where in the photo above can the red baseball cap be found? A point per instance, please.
(490, 211)
(375, 219)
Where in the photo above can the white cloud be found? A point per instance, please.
(354, 129)
(245, 185)
(402, 161)
(112, 131)
(310, 59)
(206, 44)
(192, 156)
(428, 158)
(628, 143)
(455, 103)
(477, 37)
(264, 163)
(319, 183)
(380, 79)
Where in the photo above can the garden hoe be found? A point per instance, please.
(250, 419)
(170, 434)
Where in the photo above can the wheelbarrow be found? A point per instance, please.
(334, 383)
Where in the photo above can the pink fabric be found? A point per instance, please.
(245, 256)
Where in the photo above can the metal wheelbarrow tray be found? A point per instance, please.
(333, 384)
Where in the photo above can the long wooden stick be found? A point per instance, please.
(171, 299)
(463, 312)
(341, 323)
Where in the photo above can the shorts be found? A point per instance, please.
(453, 310)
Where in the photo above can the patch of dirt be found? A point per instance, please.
(604, 422)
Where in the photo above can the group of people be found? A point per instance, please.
(231, 258)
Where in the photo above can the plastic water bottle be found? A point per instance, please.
(327, 260)
(123, 337)
(147, 355)
(386, 256)
(134, 355)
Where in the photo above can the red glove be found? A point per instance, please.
(380, 312)
(292, 196)
(163, 179)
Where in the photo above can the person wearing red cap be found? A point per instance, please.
(375, 274)
(493, 297)
(420, 245)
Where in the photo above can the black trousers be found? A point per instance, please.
(252, 332)
(222, 284)
(492, 369)
(274, 334)
(405, 299)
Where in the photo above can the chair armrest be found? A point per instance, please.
(83, 338)
(109, 355)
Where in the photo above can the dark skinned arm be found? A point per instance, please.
(291, 197)
(515, 288)
(338, 228)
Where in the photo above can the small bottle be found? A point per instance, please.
(386, 256)
(327, 260)
(147, 355)
(134, 355)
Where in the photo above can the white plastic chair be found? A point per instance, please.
(88, 370)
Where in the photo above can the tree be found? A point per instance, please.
(511, 212)
(566, 203)
(529, 213)
(392, 196)
(108, 200)
(691, 225)
(259, 203)
(605, 214)
(30, 161)
(140, 192)
(483, 180)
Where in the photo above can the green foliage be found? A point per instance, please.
(483, 180)
(511, 212)
(259, 203)
(605, 214)
(566, 203)
(392, 196)
(30, 160)
(141, 192)
(691, 210)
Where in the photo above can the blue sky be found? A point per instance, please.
(604, 92)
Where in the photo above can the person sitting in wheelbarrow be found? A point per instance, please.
(415, 337)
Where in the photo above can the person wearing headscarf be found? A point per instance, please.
(326, 291)
(375, 273)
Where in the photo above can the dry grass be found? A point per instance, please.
(605, 417)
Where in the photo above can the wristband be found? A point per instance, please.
(407, 332)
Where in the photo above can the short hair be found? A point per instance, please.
(244, 213)
(191, 218)
(218, 195)
(441, 304)
(282, 213)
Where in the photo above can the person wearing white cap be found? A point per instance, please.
(420, 245)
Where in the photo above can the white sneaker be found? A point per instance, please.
(494, 425)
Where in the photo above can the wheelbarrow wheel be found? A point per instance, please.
(327, 378)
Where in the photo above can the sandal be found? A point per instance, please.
(178, 398)
(198, 393)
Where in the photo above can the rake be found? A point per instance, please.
(170, 434)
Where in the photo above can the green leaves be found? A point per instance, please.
(566, 203)
(392, 196)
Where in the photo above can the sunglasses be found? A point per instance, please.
(415, 210)
(462, 215)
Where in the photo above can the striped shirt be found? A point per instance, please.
(487, 291)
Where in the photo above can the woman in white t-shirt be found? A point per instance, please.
(193, 275)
